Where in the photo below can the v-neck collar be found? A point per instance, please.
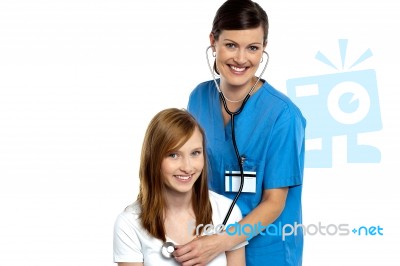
(222, 132)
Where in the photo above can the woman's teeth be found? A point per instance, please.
(238, 69)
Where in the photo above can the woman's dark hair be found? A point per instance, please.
(239, 15)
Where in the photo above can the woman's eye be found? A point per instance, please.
(253, 48)
(230, 45)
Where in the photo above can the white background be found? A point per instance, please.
(80, 80)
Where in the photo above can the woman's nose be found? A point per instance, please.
(240, 57)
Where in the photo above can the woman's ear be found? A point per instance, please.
(212, 41)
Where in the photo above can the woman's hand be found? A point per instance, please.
(200, 251)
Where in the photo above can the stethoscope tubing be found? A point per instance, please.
(239, 158)
(232, 115)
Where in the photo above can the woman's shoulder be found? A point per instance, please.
(275, 93)
(204, 87)
(200, 97)
(207, 83)
(279, 100)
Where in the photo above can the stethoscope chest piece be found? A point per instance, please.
(167, 249)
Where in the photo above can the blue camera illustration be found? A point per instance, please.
(345, 103)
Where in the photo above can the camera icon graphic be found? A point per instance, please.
(345, 103)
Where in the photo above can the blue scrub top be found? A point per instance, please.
(270, 135)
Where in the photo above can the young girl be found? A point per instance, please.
(174, 203)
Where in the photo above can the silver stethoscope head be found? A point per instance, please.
(167, 249)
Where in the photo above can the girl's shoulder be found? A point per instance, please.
(219, 201)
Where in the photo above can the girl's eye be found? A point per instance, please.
(230, 45)
(173, 155)
(196, 153)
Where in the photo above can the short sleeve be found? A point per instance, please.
(285, 159)
(126, 244)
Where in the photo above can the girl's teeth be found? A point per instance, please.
(183, 177)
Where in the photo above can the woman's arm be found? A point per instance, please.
(236, 257)
(203, 249)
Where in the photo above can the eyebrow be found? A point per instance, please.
(229, 40)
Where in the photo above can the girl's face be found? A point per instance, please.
(238, 55)
(181, 168)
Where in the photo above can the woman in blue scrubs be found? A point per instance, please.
(270, 138)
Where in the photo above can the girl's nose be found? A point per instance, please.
(186, 165)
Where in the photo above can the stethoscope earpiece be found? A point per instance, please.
(167, 249)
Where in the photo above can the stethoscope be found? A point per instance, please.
(169, 247)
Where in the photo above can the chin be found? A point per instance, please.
(238, 82)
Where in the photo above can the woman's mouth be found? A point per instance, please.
(238, 70)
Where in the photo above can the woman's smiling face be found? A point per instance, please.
(238, 55)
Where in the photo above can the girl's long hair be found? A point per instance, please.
(168, 130)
